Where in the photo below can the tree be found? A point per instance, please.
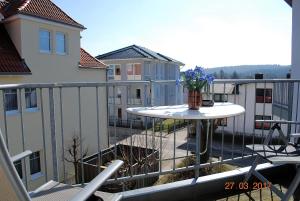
(235, 75)
(222, 74)
(74, 155)
(215, 74)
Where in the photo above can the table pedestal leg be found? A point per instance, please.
(202, 145)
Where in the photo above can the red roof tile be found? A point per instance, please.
(88, 61)
(10, 60)
(44, 9)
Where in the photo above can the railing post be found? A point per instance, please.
(53, 134)
(198, 145)
(290, 106)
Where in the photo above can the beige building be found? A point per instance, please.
(39, 43)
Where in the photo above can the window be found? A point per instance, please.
(110, 73)
(220, 97)
(60, 43)
(119, 113)
(222, 122)
(134, 71)
(11, 100)
(147, 72)
(18, 166)
(118, 70)
(30, 98)
(114, 72)
(138, 93)
(265, 126)
(35, 163)
(119, 93)
(45, 41)
(263, 95)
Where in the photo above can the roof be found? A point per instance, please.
(10, 61)
(44, 9)
(136, 52)
(88, 61)
(289, 2)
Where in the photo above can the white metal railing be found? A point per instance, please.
(64, 108)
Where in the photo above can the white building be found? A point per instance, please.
(262, 101)
(136, 63)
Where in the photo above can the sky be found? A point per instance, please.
(207, 33)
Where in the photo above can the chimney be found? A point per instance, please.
(259, 76)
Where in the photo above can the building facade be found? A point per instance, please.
(39, 43)
(262, 101)
(136, 63)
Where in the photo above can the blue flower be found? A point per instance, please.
(199, 70)
(209, 78)
(178, 82)
(195, 79)
(202, 77)
(190, 74)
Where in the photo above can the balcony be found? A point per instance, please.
(134, 101)
(158, 165)
(116, 101)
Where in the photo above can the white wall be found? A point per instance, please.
(247, 91)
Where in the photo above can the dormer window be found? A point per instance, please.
(60, 43)
(45, 41)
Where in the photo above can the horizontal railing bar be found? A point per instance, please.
(73, 84)
(21, 155)
(122, 83)
(92, 186)
(277, 121)
(164, 81)
(243, 81)
(246, 81)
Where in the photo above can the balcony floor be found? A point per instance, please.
(257, 195)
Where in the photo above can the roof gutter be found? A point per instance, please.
(15, 73)
(41, 20)
(91, 67)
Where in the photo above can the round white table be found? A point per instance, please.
(218, 111)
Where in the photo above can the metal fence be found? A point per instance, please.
(83, 108)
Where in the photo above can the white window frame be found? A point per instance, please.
(64, 41)
(134, 75)
(113, 68)
(36, 175)
(30, 93)
(14, 111)
(50, 39)
(19, 162)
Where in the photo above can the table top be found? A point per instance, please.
(219, 110)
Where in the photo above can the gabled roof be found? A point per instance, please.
(10, 61)
(136, 52)
(88, 61)
(44, 9)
